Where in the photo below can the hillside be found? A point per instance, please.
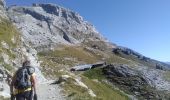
(59, 41)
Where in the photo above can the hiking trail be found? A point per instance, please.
(48, 91)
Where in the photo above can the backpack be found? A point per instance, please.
(22, 80)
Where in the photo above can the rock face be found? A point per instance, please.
(2, 9)
(128, 51)
(4, 87)
(46, 25)
(2, 3)
(131, 81)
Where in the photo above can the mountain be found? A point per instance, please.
(72, 56)
(45, 25)
(168, 62)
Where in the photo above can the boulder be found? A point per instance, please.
(62, 78)
(159, 66)
(119, 70)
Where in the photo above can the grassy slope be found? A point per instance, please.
(102, 90)
(75, 92)
(134, 59)
(65, 58)
(55, 61)
(7, 32)
(166, 75)
(68, 56)
(71, 52)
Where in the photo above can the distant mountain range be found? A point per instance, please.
(168, 63)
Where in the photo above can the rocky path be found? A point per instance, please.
(48, 91)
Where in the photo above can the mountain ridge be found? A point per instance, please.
(61, 25)
(168, 63)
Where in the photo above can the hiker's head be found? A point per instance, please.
(26, 63)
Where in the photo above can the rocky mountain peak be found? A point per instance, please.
(43, 25)
(60, 11)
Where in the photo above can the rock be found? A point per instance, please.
(120, 70)
(45, 25)
(4, 45)
(5, 58)
(80, 83)
(2, 9)
(2, 3)
(131, 81)
(127, 51)
(159, 66)
(4, 90)
(61, 79)
(91, 93)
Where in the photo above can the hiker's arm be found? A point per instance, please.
(33, 79)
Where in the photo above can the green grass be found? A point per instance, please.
(136, 60)
(53, 59)
(94, 74)
(166, 75)
(81, 55)
(1, 60)
(119, 60)
(7, 32)
(75, 92)
(8, 67)
(71, 52)
(65, 58)
(50, 68)
(102, 90)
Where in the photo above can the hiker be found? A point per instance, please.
(23, 84)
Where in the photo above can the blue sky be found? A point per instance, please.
(142, 25)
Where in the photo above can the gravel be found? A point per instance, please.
(48, 91)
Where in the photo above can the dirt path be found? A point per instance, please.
(46, 91)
